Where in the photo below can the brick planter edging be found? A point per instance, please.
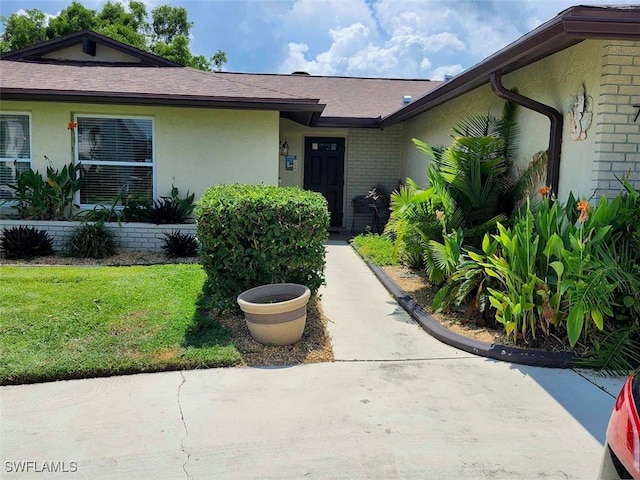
(503, 353)
(130, 236)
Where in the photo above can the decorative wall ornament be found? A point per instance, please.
(579, 115)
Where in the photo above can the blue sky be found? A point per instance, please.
(368, 38)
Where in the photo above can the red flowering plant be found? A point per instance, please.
(544, 191)
(558, 273)
(564, 273)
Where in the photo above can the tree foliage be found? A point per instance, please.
(165, 32)
(170, 22)
(23, 30)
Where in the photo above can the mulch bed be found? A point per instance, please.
(418, 287)
(137, 257)
(314, 347)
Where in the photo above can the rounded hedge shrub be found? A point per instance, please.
(252, 235)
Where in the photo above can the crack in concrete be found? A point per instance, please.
(594, 383)
(184, 424)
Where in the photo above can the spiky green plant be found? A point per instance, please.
(91, 240)
(615, 351)
(25, 242)
(178, 244)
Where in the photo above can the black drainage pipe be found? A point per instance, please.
(555, 133)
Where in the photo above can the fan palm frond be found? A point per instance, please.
(526, 181)
(476, 126)
(616, 352)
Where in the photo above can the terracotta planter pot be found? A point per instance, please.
(275, 314)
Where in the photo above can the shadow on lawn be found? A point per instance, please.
(205, 330)
(213, 326)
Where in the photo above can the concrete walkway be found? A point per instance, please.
(396, 404)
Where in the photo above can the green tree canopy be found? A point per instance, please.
(23, 30)
(73, 18)
(170, 22)
(164, 33)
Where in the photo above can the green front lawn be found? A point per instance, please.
(73, 322)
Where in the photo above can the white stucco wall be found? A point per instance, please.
(197, 147)
(434, 127)
(552, 81)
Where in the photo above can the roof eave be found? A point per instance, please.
(594, 27)
(348, 122)
(309, 106)
(560, 33)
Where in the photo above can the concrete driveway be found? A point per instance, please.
(395, 404)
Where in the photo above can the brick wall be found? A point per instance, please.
(131, 236)
(617, 135)
(373, 156)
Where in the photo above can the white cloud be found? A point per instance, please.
(354, 52)
(47, 17)
(296, 62)
(440, 41)
(391, 39)
(312, 21)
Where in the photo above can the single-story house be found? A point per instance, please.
(142, 123)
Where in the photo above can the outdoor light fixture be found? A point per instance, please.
(284, 148)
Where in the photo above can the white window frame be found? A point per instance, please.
(152, 164)
(8, 202)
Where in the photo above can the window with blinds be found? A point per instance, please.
(116, 154)
(15, 149)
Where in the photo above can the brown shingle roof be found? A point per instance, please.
(89, 40)
(28, 74)
(346, 98)
(349, 101)
(130, 80)
(170, 86)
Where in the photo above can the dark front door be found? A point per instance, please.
(324, 172)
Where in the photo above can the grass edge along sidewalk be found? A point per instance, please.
(61, 323)
(76, 322)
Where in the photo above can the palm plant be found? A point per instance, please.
(413, 223)
(467, 180)
(515, 183)
(473, 184)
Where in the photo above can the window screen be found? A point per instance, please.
(15, 149)
(117, 158)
